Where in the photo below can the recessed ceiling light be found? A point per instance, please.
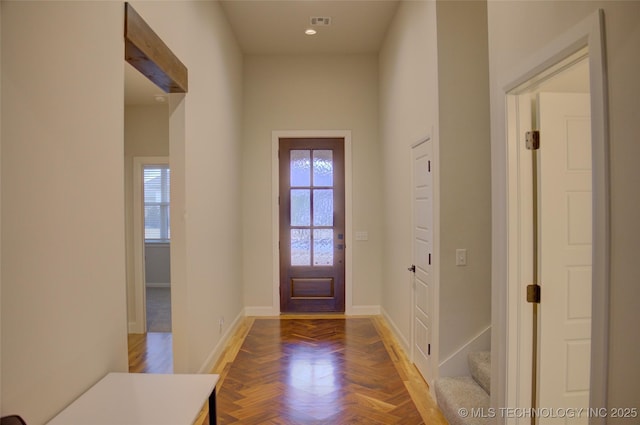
(310, 31)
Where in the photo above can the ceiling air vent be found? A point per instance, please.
(320, 21)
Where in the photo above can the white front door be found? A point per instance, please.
(565, 251)
(423, 290)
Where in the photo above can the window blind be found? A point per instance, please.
(156, 203)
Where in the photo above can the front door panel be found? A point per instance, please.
(312, 231)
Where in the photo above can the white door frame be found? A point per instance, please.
(140, 324)
(275, 216)
(434, 359)
(590, 34)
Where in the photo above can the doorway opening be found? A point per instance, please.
(150, 350)
(556, 229)
(159, 68)
(156, 182)
(554, 198)
(512, 370)
(345, 135)
(312, 225)
(146, 151)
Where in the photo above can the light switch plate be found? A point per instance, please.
(461, 257)
(362, 236)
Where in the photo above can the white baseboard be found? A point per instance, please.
(356, 310)
(217, 351)
(260, 311)
(134, 328)
(158, 285)
(363, 310)
(456, 364)
(396, 333)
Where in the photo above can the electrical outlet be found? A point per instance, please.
(461, 257)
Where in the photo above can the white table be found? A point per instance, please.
(142, 399)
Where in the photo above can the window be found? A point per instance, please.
(312, 212)
(156, 203)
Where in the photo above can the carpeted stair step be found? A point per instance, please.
(480, 367)
(469, 393)
(462, 392)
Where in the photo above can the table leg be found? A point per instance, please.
(213, 417)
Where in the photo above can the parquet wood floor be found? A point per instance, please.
(150, 353)
(315, 371)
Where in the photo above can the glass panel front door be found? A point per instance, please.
(312, 224)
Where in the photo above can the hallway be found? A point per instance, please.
(436, 69)
(320, 369)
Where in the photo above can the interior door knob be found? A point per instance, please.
(412, 268)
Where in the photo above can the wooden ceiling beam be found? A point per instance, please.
(146, 52)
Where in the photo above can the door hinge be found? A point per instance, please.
(532, 140)
(533, 293)
(428, 349)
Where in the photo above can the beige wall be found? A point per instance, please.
(465, 173)
(333, 92)
(449, 102)
(146, 133)
(206, 241)
(63, 272)
(510, 46)
(408, 113)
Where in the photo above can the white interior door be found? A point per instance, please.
(565, 252)
(521, 268)
(423, 290)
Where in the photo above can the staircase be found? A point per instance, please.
(467, 392)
